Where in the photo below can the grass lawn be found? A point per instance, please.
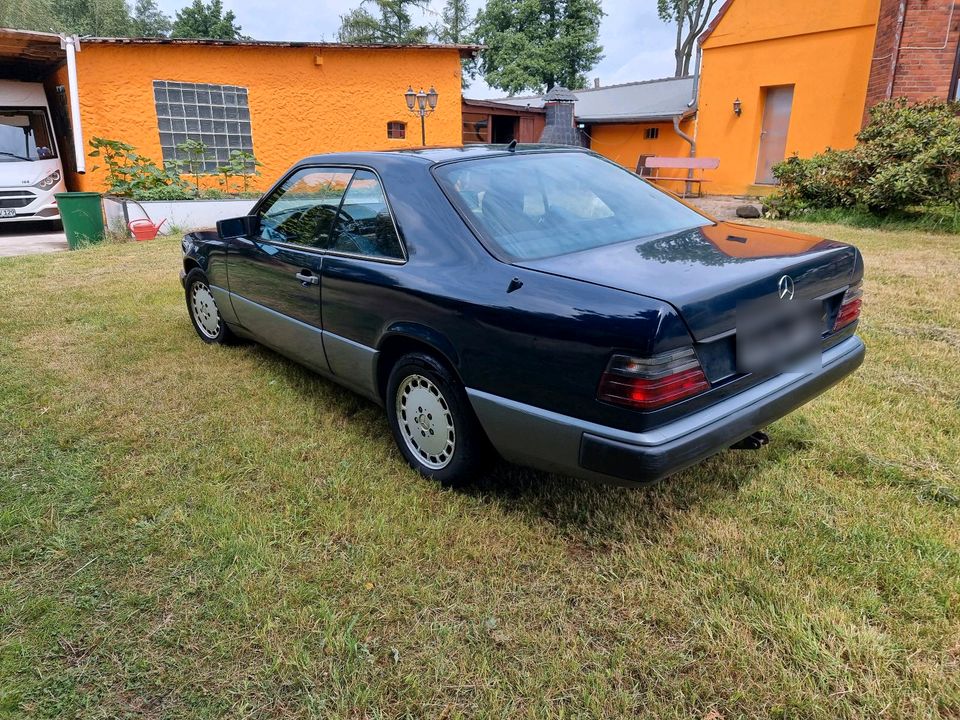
(197, 532)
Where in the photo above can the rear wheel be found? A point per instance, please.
(204, 313)
(433, 423)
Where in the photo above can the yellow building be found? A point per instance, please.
(778, 79)
(280, 101)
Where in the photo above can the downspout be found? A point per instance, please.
(692, 107)
(71, 44)
(692, 141)
(897, 42)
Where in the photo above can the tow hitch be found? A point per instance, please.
(752, 442)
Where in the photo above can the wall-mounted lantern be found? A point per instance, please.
(422, 104)
(737, 107)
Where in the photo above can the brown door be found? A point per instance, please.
(526, 130)
(773, 137)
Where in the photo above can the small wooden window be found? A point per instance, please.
(651, 133)
(396, 130)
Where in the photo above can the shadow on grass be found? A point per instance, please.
(594, 513)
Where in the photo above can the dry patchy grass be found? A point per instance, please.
(197, 532)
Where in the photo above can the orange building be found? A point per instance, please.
(632, 121)
(799, 76)
(280, 101)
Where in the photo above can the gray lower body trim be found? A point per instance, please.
(352, 364)
(224, 306)
(558, 443)
(347, 362)
(297, 340)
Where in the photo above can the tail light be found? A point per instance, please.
(849, 307)
(651, 383)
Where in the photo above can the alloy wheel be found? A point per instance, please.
(204, 310)
(426, 423)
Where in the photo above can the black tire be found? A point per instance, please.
(467, 454)
(209, 325)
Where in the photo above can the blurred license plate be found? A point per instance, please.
(7, 212)
(774, 336)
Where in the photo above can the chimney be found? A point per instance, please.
(560, 129)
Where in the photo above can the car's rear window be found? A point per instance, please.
(545, 204)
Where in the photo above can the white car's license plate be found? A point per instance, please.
(7, 212)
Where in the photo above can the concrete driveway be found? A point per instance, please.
(30, 238)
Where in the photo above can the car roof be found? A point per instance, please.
(434, 155)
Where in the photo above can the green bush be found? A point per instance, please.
(135, 176)
(130, 174)
(907, 156)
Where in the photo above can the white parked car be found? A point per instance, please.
(30, 169)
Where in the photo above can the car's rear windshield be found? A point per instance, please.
(537, 205)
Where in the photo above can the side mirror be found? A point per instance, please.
(246, 226)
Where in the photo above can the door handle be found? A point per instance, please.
(307, 278)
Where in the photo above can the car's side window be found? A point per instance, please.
(364, 225)
(303, 209)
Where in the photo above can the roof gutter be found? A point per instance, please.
(71, 44)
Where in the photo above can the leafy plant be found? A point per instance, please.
(907, 156)
(129, 173)
(241, 164)
(195, 163)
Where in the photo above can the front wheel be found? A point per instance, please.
(433, 423)
(204, 313)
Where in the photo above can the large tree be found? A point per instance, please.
(80, 17)
(536, 44)
(200, 20)
(149, 20)
(691, 18)
(390, 22)
(457, 26)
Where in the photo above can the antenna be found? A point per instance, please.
(512, 147)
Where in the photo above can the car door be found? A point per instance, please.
(359, 284)
(274, 278)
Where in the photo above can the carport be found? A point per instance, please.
(48, 59)
(42, 57)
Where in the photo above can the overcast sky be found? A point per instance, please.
(636, 44)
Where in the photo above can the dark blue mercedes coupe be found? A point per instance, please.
(538, 302)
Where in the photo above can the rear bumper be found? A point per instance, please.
(557, 443)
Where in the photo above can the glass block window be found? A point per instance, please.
(216, 115)
(396, 130)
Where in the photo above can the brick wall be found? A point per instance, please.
(927, 50)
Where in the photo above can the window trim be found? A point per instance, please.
(255, 210)
(402, 124)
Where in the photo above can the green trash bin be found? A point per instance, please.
(82, 216)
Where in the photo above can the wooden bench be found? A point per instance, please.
(693, 165)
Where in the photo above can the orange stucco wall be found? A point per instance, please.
(821, 47)
(302, 100)
(624, 143)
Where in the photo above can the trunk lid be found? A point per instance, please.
(706, 271)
